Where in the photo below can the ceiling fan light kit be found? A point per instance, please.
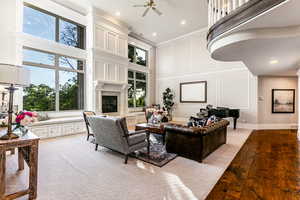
(149, 6)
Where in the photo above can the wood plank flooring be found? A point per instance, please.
(266, 168)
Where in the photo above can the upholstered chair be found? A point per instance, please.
(112, 133)
(88, 128)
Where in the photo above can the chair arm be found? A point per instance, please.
(135, 133)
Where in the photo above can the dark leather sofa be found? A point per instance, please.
(193, 142)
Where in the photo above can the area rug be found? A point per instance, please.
(158, 155)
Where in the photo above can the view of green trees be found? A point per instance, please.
(39, 98)
(42, 97)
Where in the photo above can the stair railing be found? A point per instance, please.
(217, 9)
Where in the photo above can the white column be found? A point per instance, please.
(298, 133)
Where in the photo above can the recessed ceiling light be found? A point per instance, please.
(183, 22)
(154, 34)
(273, 62)
(117, 13)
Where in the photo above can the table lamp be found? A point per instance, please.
(12, 75)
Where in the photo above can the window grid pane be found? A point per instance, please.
(39, 24)
(137, 90)
(137, 55)
(40, 95)
(38, 57)
(71, 93)
(50, 85)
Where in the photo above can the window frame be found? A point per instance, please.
(81, 37)
(134, 79)
(134, 57)
(56, 67)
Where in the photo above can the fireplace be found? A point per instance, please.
(109, 104)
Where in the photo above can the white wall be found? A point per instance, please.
(229, 84)
(265, 86)
(9, 25)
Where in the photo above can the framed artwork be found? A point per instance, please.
(283, 100)
(193, 92)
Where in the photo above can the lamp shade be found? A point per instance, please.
(12, 74)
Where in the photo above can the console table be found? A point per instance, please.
(27, 150)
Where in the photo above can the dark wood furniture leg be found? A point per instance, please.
(2, 173)
(20, 159)
(126, 158)
(234, 122)
(12, 151)
(96, 147)
(148, 141)
(33, 160)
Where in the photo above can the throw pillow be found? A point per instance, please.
(212, 119)
(42, 117)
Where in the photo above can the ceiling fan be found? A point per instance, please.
(149, 5)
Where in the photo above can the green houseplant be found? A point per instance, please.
(168, 101)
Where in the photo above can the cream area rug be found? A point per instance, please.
(70, 169)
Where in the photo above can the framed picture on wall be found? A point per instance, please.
(283, 100)
(193, 92)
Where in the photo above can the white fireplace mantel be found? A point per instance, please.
(113, 88)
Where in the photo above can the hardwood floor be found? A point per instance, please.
(266, 167)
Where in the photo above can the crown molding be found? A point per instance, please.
(183, 36)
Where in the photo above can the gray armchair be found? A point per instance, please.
(112, 133)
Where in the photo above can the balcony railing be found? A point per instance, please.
(217, 9)
(225, 15)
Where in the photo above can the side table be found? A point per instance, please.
(27, 150)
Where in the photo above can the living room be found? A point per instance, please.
(102, 97)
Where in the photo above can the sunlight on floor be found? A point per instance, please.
(177, 188)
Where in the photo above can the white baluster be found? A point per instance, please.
(215, 11)
(223, 8)
(234, 4)
(209, 13)
(219, 8)
(241, 2)
(229, 6)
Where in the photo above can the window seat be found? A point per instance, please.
(58, 121)
(58, 127)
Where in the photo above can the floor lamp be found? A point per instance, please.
(13, 76)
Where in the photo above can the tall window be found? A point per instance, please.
(137, 89)
(57, 82)
(43, 24)
(137, 55)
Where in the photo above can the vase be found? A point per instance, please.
(24, 130)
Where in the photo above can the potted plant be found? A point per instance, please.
(168, 101)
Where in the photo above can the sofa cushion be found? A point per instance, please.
(137, 138)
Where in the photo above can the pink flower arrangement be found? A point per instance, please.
(25, 118)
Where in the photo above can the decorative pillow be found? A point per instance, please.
(42, 117)
(155, 118)
(197, 122)
(212, 119)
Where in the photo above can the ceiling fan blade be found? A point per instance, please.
(146, 11)
(139, 6)
(157, 11)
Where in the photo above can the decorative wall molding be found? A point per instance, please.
(201, 74)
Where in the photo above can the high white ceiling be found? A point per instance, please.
(166, 26)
